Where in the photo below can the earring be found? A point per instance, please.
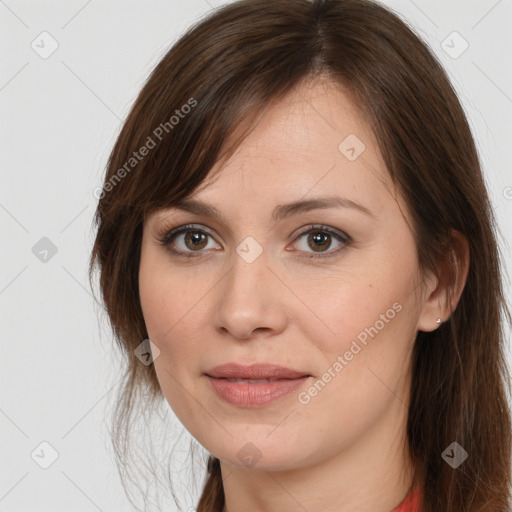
(438, 321)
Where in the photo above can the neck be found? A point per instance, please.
(373, 474)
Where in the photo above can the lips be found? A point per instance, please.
(255, 372)
(256, 385)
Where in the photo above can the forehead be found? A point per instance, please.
(311, 117)
(311, 143)
(312, 139)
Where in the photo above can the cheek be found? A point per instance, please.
(173, 311)
(165, 317)
(374, 301)
(364, 374)
(167, 295)
(161, 311)
(366, 350)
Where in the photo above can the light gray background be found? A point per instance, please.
(59, 119)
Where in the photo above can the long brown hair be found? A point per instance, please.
(220, 74)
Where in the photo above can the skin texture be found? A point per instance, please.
(345, 448)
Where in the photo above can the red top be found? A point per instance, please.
(411, 502)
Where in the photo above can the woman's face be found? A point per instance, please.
(332, 292)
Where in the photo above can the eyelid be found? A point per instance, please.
(167, 234)
(321, 227)
(341, 236)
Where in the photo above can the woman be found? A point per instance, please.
(294, 214)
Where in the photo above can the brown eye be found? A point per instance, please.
(319, 239)
(187, 240)
(195, 239)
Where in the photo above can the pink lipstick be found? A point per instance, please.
(255, 385)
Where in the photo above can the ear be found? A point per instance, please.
(442, 294)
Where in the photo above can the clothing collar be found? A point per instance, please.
(411, 502)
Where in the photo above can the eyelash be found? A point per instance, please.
(167, 237)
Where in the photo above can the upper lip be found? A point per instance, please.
(254, 371)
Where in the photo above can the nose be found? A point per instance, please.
(250, 298)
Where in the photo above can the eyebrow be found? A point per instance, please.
(280, 212)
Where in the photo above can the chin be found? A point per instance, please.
(260, 454)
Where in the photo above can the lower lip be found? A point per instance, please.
(257, 394)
